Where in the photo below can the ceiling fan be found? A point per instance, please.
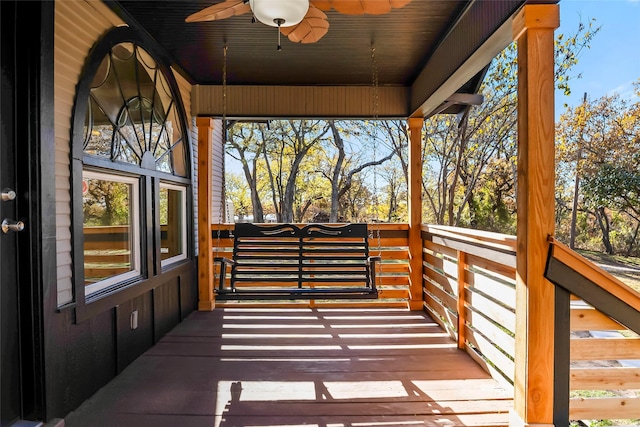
(303, 21)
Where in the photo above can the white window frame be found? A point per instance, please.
(183, 223)
(134, 214)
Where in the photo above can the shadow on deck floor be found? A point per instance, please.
(293, 367)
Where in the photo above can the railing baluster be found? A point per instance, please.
(562, 357)
(462, 318)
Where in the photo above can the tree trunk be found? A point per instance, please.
(462, 143)
(258, 211)
(603, 221)
(632, 241)
(258, 214)
(271, 179)
(574, 211)
(335, 176)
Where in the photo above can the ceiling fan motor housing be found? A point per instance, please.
(275, 13)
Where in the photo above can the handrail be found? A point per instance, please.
(590, 271)
(485, 238)
(474, 242)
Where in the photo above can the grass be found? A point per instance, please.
(626, 269)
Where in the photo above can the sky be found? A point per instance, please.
(612, 64)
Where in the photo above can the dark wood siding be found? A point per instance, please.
(85, 356)
(131, 343)
(166, 307)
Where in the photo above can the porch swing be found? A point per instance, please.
(291, 262)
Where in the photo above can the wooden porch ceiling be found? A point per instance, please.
(292, 367)
(422, 47)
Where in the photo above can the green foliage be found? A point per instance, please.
(597, 144)
(106, 203)
(614, 187)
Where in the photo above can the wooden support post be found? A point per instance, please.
(533, 30)
(415, 213)
(462, 284)
(205, 241)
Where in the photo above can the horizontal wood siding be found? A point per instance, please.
(185, 93)
(78, 25)
(477, 295)
(300, 101)
(392, 278)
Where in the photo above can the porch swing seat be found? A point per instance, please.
(288, 262)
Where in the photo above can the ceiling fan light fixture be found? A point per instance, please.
(286, 12)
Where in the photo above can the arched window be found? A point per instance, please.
(131, 169)
(131, 114)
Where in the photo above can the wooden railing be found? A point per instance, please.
(390, 241)
(599, 346)
(469, 288)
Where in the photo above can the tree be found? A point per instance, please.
(342, 167)
(460, 151)
(290, 141)
(599, 142)
(395, 192)
(246, 143)
(238, 191)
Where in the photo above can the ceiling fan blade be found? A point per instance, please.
(360, 7)
(311, 29)
(321, 4)
(224, 10)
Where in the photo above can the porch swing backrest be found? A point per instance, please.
(286, 261)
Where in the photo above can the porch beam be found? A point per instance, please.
(533, 29)
(415, 213)
(254, 102)
(206, 300)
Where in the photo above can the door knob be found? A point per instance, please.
(8, 194)
(11, 225)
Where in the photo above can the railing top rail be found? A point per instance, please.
(595, 274)
(498, 241)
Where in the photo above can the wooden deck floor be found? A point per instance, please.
(269, 367)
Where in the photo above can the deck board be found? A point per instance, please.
(318, 367)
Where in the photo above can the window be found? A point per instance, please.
(131, 116)
(172, 223)
(111, 230)
(132, 184)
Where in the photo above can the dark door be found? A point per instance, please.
(18, 343)
(10, 372)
